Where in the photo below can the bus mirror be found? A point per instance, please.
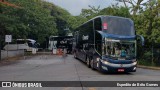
(141, 38)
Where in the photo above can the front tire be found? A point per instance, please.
(92, 64)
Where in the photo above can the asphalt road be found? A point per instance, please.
(58, 68)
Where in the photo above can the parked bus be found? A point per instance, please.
(52, 42)
(62, 42)
(30, 43)
(25, 44)
(107, 43)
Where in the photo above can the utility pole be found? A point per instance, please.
(0, 47)
(152, 54)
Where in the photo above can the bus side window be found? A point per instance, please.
(98, 24)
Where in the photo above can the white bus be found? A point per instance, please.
(25, 44)
(32, 44)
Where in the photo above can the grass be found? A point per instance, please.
(146, 63)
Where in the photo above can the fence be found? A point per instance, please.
(149, 56)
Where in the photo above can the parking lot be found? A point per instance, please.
(58, 68)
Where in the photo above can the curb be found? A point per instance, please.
(148, 67)
(9, 60)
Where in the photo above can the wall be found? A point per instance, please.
(11, 53)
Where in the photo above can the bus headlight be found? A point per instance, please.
(104, 62)
(98, 59)
(134, 63)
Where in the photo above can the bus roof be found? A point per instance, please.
(26, 40)
(60, 37)
(115, 25)
(106, 16)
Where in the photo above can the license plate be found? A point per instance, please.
(120, 70)
(121, 58)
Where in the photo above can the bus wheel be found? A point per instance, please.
(92, 64)
(88, 62)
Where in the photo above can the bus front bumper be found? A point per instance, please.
(110, 67)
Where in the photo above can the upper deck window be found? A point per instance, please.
(98, 24)
(119, 26)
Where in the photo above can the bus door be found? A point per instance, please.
(98, 49)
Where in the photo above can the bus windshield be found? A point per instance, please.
(119, 49)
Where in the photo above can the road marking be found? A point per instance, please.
(67, 88)
(91, 88)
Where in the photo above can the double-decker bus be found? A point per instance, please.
(107, 43)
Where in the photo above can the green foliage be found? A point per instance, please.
(116, 11)
(146, 17)
(90, 13)
(35, 19)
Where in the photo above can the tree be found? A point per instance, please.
(136, 5)
(115, 10)
(147, 22)
(36, 19)
(91, 12)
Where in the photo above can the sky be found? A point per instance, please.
(75, 6)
